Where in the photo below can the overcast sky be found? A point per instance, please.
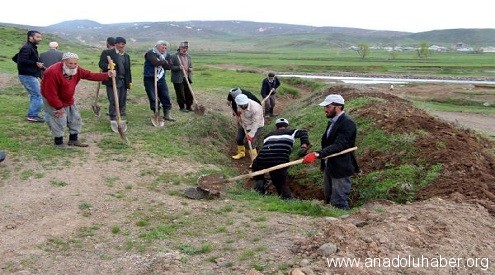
(410, 16)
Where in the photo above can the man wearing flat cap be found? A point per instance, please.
(181, 61)
(58, 87)
(339, 135)
(122, 62)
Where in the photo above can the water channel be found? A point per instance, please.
(385, 80)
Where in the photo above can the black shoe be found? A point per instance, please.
(183, 110)
(189, 109)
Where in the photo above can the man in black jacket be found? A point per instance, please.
(122, 62)
(339, 135)
(277, 147)
(29, 69)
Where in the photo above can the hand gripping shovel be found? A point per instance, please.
(121, 126)
(210, 186)
(95, 107)
(156, 119)
(252, 154)
(197, 108)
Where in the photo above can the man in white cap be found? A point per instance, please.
(251, 118)
(58, 87)
(277, 147)
(339, 135)
(233, 93)
(52, 56)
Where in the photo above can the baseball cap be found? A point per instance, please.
(282, 122)
(333, 99)
(235, 92)
(241, 99)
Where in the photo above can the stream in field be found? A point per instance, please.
(386, 80)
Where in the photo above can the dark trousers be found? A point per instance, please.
(183, 94)
(278, 177)
(163, 95)
(122, 94)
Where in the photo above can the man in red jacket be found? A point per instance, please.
(58, 88)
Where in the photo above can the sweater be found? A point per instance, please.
(58, 90)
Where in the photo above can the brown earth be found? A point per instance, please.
(46, 230)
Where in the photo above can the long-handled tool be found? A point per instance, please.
(156, 119)
(269, 94)
(197, 108)
(121, 127)
(265, 99)
(212, 185)
(250, 145)
(95, 107)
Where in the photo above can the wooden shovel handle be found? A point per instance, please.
(283, 165)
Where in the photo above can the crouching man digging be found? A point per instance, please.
(58, 87)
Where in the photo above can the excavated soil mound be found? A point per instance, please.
(468, 172)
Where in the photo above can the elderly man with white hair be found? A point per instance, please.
(58, 87)
(156, 62)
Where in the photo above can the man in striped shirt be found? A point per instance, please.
(277, 147)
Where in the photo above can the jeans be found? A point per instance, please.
(337, 191)
(32, 85)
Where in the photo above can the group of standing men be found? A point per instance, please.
(57, 87)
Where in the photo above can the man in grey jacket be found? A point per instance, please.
(183, 93)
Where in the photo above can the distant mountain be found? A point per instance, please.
(210, 35)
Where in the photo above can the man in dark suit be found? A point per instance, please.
(123, 78)
(340, 134)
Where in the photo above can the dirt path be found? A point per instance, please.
(478, 122)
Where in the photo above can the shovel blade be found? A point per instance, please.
(196, 193)
(199, 109)
(157, 121)
(96, 110)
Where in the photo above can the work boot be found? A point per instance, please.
(166, 115)
(260, 186)
(241, 152)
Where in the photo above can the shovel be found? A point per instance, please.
(197, 108)
(121, 126)
(248, 142)
(156, 119)
(95, 107)
(213, 185)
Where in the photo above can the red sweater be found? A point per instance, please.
(58, 90)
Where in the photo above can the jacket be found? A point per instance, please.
(26, 60)
(152, 60)
(342, 136)
(122, 66)
(267, 86)
(247, 93)
(58, 90)
(177, 76)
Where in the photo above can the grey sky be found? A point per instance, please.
(410, 16)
